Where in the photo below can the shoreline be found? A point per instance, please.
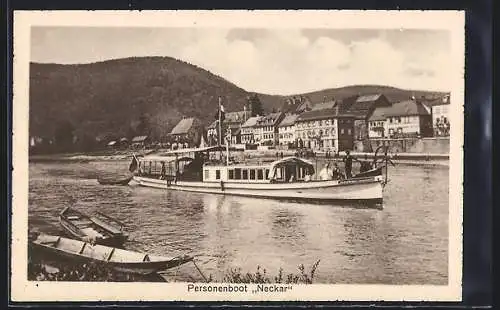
(411, 159)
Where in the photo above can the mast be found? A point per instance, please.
(220, 126)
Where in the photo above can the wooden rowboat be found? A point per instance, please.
(114, 179)
(115, 258)
(101, 229)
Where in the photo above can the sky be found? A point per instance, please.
(273, 61)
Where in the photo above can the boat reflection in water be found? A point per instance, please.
(289, 178)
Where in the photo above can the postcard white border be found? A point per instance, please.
(24, 290)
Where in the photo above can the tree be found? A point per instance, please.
(64, 135)
(255, 105)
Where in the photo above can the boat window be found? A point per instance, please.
(207, 174)
(217, 174)
(237, 174)
(245, 174)
(252, 174)
(260, 174)
(267, 174)
(231, 174)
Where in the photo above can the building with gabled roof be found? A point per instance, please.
(408, 118)
(248, 130)
(188, 130)
(266, 128)
(286, 130)
(325, 129)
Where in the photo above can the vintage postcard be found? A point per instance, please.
(237, 155)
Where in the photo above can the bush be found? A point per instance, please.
(260, 276)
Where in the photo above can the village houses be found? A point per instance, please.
(408, 118)
(286, 130)
(248, 130)
(440, 116)
(233, 122)
(266, 129)
(325, 127)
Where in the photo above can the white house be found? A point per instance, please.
(286, 130)
(248, 130)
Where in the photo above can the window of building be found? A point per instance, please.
(237, 174)
(348, 131)
(245, 174)
(267, 174)
(260, 174)
(342, 131)
(252, 174)
(207, 174)
(217, 174)
(398, 119)
(390, 120)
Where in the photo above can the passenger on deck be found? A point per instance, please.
(326, 173)
(307, 177)
(336, 173)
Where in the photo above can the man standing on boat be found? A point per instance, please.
(348, 163)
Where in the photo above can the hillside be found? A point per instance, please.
(116, 96)
(132, 96)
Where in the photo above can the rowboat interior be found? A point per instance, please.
(98, 252)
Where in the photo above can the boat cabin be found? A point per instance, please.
(202, 167)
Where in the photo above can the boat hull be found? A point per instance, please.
(44, 252)
(360, 190)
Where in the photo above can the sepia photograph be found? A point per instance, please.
(237, 155)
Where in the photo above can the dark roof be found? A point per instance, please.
(296, 105)
(183, 126)
(321, 114)
(269, 119)
(363, 104)
(139, 139)
(438, 101)
(288, 120)
(407, 108)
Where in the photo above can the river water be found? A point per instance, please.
(404, 243)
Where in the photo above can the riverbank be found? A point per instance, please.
(427, 159)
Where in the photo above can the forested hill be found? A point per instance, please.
(128, 96)
(132, 96)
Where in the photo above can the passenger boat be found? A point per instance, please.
(114, 179)
(286, 178)
(118, 259)
(101, 229)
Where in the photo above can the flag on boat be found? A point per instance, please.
(133, 164)
(221, 114)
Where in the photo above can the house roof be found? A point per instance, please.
(269, 119)
(296, 105)
(324, 105)
(407, 108)
(379, 114)
(368, 98)
(238, 116)
(183, 126)
(139, 139)
(288, 120)
(251, 122)
(321, 114)
(438, 101)
(363, 104)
